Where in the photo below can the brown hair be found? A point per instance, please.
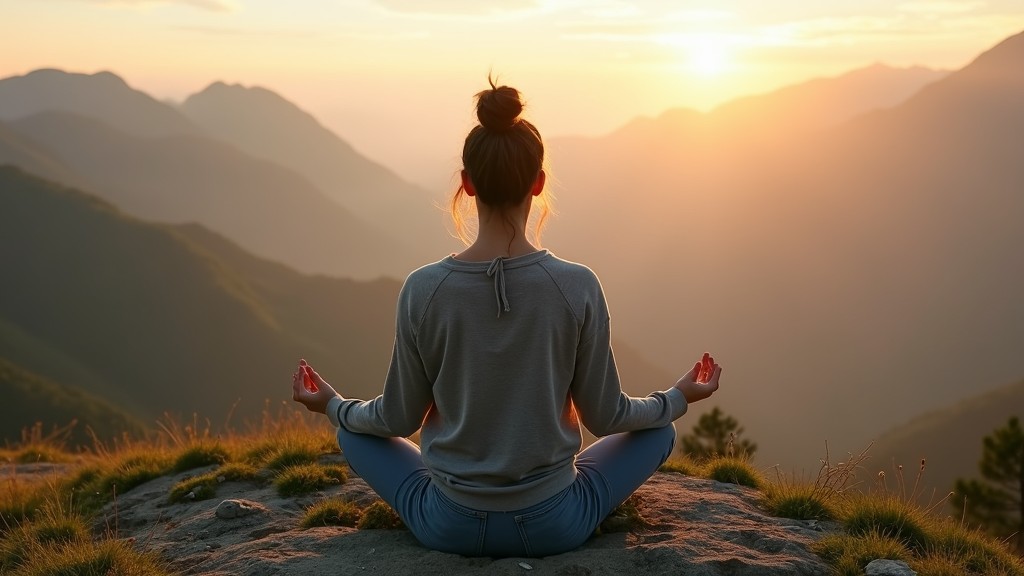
(503, 155)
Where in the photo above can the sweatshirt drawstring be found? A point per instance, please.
(497, 270)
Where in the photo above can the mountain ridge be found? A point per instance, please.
(948, 439)
(103, 95)
(182, 178)
(262, 123)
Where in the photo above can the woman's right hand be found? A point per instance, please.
(701, 381)
(315, 394)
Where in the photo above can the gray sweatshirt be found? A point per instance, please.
(499, 362)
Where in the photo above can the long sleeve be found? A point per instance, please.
(596, 391)
(400, 409)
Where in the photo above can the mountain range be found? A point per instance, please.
(848, 277)
(144, 319)
(148, 317)
(157, 162)
(839, 245)
(948, 440)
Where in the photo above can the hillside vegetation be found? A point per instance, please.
(144, 315)
(950, 438)
(68, 415)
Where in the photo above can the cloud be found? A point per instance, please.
(251, 32)
(211, 5)
(361, 34)
(940, 7)
(470, 8)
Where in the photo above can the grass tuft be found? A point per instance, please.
(204, 486)
(380, 516)
(20, 501)
(96, 485)
(625, 518)
(278, 455)
(59, 529)
(973, 551)
(680, 465)
(733, 471)
(889, 516)
(305, 478)
(332, 512)
(850, 553)
(797, 501)
(202, 454)
(89, 558)
(40, 453)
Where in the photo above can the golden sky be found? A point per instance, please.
(395, 77)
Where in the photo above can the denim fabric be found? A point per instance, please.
(607, 473)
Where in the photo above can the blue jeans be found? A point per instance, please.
(608, 471)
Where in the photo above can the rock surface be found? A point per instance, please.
(695, 527)
(238, 508)
(888, 568)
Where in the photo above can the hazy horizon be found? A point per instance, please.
(405, 99)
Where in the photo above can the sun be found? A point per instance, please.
(705, 54)
(709, 55)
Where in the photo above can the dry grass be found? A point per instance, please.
(681, 465)
(305, 478)
(43, 519)
(204, 486)
(888, 521)
(733, 471)
(380, 516)
(332, 512)
(627, 517)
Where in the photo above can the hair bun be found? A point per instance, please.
(498, 108)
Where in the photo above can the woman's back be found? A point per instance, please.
(501, 353)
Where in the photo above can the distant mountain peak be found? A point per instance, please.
(991, 83)
(251, 94)
(103, 78)
(1008, 53)
(103, 95)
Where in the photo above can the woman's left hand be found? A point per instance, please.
(315, 397)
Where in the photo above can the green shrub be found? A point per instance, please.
(305, 478)
(332, 512)
(380, 516)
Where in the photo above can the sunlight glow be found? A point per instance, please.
(705, 54)
(709, 56)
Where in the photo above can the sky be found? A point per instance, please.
(395, 78)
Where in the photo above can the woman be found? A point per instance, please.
(499, 397)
